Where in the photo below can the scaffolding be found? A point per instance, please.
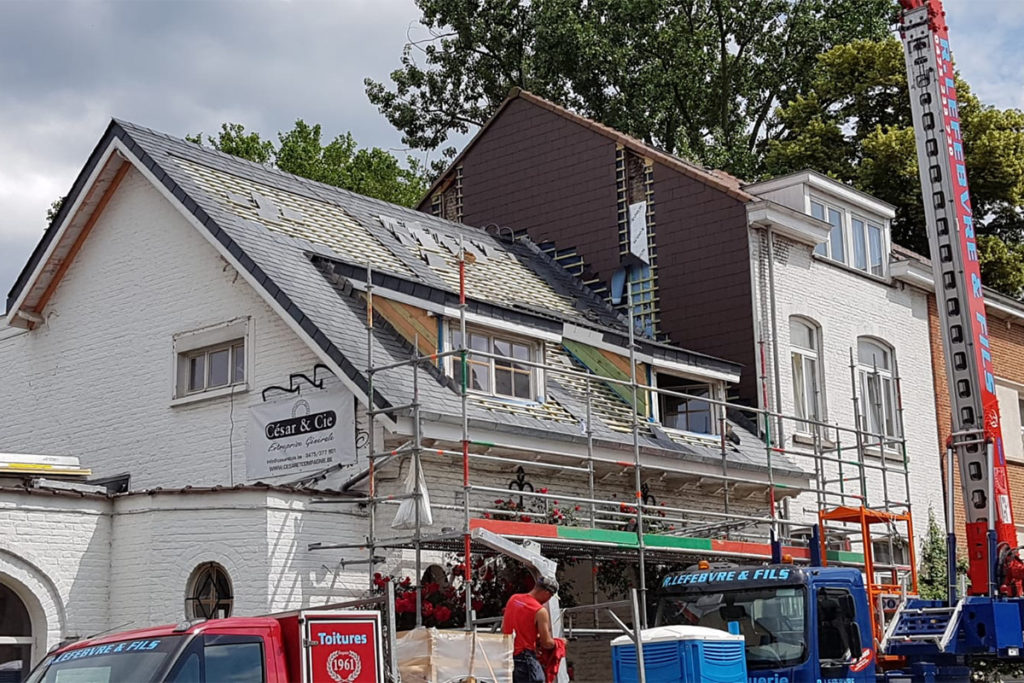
(845, 467)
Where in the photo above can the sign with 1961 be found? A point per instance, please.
(300, 434)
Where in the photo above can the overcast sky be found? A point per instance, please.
(67, 67)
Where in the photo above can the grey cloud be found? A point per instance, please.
(68, 66)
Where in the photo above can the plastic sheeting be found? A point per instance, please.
(405, 518)
(427, 655)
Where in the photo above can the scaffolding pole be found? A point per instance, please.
(826, 458)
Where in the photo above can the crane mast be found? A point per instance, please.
(976, 439)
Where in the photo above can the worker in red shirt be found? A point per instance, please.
(526, 617)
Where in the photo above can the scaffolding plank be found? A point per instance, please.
(520, 529)
(682, 542)
(623, 538)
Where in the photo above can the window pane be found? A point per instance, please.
(238, 354)
(801, 335)
(889, 407)
(521, 385)
(219, 367)
(502, 381)
(521, 351)
(799, 398)
(241, 662)
(875, 240)
(688, 414)
(502, 348)
(197, 373)
(811, 387)
(479, 342)
(479, 376)
(870, 355)
(873, 400)
(859, 253)
(838, 248)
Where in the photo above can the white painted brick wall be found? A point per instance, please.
(96, 379)
(259, 537)
(55, 552)
(847, 305)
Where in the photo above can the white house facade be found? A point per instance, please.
(844, 316)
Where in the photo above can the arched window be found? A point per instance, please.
(805, 354)
(209, 594)
(875, 364)
(15, 636)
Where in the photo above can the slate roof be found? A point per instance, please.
(304, 242)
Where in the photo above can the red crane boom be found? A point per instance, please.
(976, 440)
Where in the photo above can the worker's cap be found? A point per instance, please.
(548, 583)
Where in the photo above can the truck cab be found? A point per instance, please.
(799, 624)
(305, 646)
(236, 649)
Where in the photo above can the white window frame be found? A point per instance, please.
(1012, 420)
(202, 342)
(847, 225)
(805, 407)
(715, 393)
(535, 352)
(885, 389)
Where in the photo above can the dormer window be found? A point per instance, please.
(857, 241)
(503, 373)
(686, 408)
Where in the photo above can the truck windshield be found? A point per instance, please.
(140, 661)
(771, 620)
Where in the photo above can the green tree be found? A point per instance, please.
(54, 209)
(369, 171)
(854, 124)
(233, 139)
(932, 571)
(701, 78)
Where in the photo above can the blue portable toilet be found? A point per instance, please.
(682, 654)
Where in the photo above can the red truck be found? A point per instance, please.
(311, 646)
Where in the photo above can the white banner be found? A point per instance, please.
(300, 434)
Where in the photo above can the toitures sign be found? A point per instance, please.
(300, 434)
(343, 648)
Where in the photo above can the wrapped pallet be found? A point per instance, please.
(427, 655)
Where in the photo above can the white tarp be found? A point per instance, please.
(427, 655)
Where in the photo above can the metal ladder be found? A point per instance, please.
(937, 625)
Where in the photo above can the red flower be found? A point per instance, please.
(426, 607)
(431, 588)
(542, 490)
(405, 604)
(524, 518)
(442, 614)
(487, 515)
(459, 570)
(478, 604)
